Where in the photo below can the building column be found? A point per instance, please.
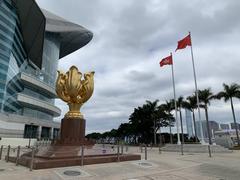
(39, 132)
(51, 133)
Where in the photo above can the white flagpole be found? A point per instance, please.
(196, 89)
(175, 104)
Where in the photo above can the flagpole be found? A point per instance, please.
(197, 97)
(175, 104)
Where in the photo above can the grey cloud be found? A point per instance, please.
(130, 38)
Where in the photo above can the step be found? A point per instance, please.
(197, 148)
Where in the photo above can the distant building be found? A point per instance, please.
(233, 125)
(32, 41)
(189, 123)
(213, 125)
(224, 126)
(226, 138)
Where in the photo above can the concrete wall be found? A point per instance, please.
(11, 129)
(12, 126)
(17, 142)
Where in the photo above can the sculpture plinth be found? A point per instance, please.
(68, 150)
(73, 132)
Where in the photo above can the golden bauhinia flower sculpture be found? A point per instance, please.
(74, 90)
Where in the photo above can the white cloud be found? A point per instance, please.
(130, 37)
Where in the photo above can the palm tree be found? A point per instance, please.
(205, 96)
(153, 108)
(167, 108)
(228, 93)
(191, 104)
(163, 120)
(179, 108)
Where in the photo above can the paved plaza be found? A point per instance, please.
(164, 166)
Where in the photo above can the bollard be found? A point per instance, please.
(32, 159)
(8, 152)
(141, 148)
(182, 148)
(121, 148)
(1, 150)
(18, 153)
(209, 151)
(126, 148)
(82, 156)
(145, 152)
(118, 158)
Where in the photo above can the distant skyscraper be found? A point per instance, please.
(189, 123)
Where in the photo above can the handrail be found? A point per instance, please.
(35, 78)
(56, 109)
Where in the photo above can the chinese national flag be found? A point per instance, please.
(166, 61)
(184, 42)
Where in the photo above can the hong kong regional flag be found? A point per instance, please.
(184, 42)
(166, 61)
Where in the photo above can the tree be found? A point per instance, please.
(124, 131)
(106, 137)
(179, 107)
(228, 93)
(168, 107)
(147, 120)
(205, 96)
(153, 116)
(191, 104)
(141, 121)
(163, 120)
(94, 136)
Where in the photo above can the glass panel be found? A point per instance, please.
(30, 131)
(50, 58)
(45, 133)
(37, 95)
(36, 114)
(13, 62)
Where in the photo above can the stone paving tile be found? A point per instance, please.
(165, 166)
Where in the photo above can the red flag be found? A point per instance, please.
(184, 42)
(166, 61)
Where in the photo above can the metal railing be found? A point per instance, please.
(14, 153)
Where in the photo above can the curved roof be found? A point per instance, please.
(72, 36)
(35, 22)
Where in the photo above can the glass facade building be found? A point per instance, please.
(28, 67)
(12, 57)
(14, 61)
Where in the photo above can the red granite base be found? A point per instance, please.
(73, 133)
(44, 163)
(68, 149)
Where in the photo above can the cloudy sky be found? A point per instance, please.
(130, 38)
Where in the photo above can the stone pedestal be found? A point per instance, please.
(67, 151)
(73, 132)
